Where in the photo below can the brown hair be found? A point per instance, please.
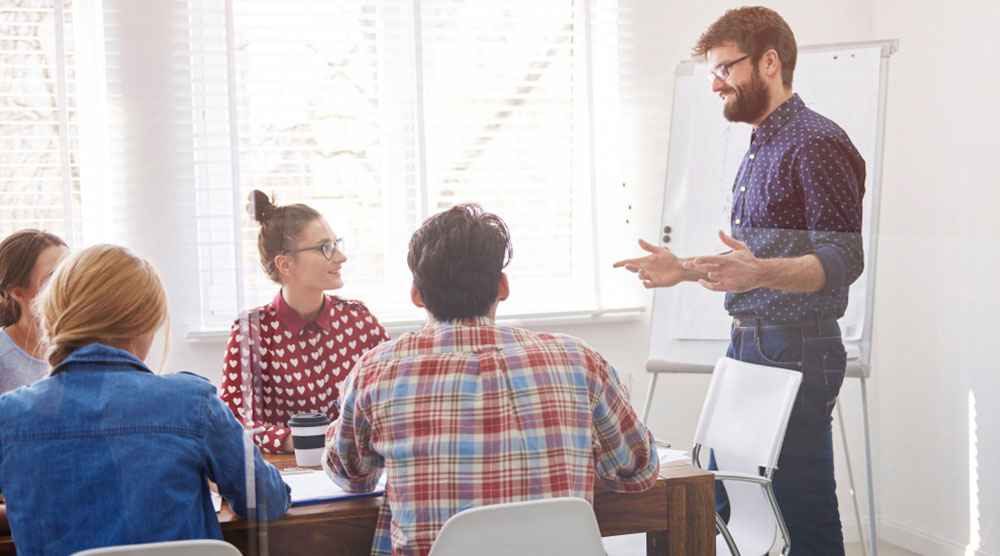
(755, 30)
(457, 257)
(18, 253)
(280, 228)
(103, 294)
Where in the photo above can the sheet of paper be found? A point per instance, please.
(314, 486)
(216, 501)
(669, 454)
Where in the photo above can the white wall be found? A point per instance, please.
(938, 257)
(937, 297)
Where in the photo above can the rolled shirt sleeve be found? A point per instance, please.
(349, 460)
(832, 195)
(624, 453)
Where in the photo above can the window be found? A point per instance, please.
(39, 140)
(381, 113)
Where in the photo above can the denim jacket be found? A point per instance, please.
(104, 452)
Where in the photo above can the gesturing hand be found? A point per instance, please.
(661, 268)
(735, 271)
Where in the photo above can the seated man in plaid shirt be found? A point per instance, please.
(467, 413)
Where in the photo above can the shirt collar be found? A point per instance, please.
(99, 354)
(778, 118)
(294, 323)
(466, 322)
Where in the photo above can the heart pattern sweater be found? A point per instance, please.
(277, 364)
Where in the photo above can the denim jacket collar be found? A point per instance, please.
(102, 356)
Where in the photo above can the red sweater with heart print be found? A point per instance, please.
(277, 364)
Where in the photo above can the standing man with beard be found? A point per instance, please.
(795, 250)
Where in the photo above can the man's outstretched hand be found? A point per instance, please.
(660, 269)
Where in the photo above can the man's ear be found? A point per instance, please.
(415, 296)
(771, 62)
(503, 290)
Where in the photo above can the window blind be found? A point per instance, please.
(380, 113)
(39, 141)
(507, 127)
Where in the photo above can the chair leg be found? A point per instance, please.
(649, 398)
(786, 537)
(725, 535)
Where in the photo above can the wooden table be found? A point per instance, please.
(677, 515)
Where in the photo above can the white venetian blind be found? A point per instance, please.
(506, 111)
(322, 96)
(39, 142)
(380, 113)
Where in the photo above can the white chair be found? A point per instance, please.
(549, 527)
(198, 547)
(743, 420)
(856, 368)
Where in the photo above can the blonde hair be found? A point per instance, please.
(103, 294)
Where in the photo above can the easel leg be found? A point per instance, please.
(872, 533)
(850, 477)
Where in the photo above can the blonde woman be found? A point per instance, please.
(27, 259)
(105, 452)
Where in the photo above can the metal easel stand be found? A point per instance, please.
(872, 531)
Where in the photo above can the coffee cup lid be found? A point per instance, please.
(308, 420)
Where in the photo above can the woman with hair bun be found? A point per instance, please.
(291, 355)
(105, 452)
(27, 259)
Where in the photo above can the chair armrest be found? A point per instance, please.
(662, 366)
(747, 477)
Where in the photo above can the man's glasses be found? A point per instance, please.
(328, 248)
(722, 72)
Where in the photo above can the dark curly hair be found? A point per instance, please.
(457, 257)
(755, 30)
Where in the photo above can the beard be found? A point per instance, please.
(749, 101)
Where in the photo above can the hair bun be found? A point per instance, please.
(259, 205)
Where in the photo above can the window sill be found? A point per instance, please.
(395, 328)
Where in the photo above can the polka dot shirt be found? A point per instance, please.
(277, 364)
(798, 191)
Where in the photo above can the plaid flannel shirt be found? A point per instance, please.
(467, 413)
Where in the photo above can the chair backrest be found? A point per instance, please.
(198, 547)
(550, 527)
(745, 414)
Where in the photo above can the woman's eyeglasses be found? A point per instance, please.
(328, 248)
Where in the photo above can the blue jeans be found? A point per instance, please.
(803, 482)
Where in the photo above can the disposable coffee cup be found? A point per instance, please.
(308, 437)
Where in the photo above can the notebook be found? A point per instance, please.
(314, 486)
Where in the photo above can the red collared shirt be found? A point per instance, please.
(278, 364)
